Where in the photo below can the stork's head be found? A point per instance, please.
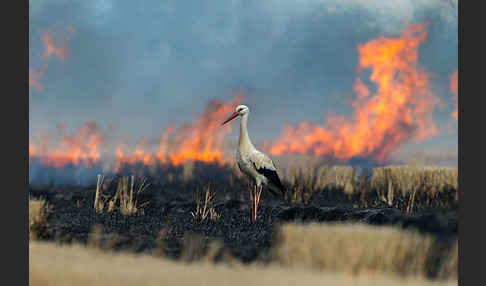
(239, 111)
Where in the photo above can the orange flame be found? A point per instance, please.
(163, 147)
(138, 156)
(82, 148)
(399, 110)
(200, 140)
(52, 47)
(454, 89)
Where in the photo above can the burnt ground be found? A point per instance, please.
(168, 211)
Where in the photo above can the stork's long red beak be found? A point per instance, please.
(232, 116)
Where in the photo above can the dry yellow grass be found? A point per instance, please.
(308, 175)
(38, 211)
(306, 179)
(355, 249)
(204, 209)
(124, 199)
(311, 172)
(408, 178)
(74, 265)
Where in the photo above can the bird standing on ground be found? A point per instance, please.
(258, 167)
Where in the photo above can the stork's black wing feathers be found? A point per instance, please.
(272, 177)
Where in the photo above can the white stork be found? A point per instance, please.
(258, 167)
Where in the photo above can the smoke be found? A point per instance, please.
(438, 157)
(386, 16)
(137, 67)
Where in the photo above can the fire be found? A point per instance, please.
(138, 156)
(399, 110)
(81, 148)
(200, 140)
(53, 46)
(454, 89)
(162, 154)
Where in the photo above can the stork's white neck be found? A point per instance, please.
(244, 140)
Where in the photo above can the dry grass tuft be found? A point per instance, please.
(204, 209)
(75, 265)
(408, 180)
(124, 199)
(99, 203)
(38, 212)
(307, 180)
(407, 187)
(355, 249)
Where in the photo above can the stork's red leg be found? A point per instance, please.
(255, 203)
(258, 192)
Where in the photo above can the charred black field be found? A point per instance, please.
(163, 218)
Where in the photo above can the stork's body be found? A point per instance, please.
(258, 167)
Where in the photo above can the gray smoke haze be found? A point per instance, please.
(136, 66)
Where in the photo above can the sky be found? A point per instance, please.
(134, 67)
